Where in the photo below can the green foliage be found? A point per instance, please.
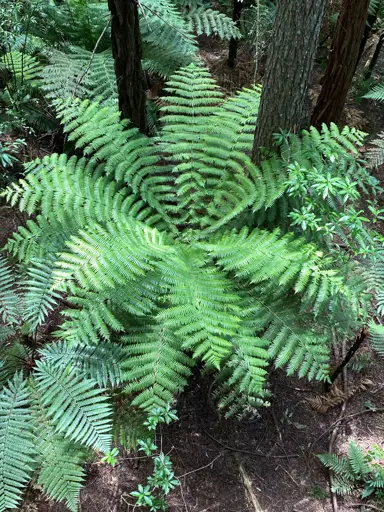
(358, 469)
(203, 20)
(326, 182)
(16, 442)
(156, 247)
(48, 418)
(163, 479)
(75, 401)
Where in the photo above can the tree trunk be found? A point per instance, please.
(371, 20)
(342, 62)
(126, 49)
(375, 57)
(233, 43)
(289, 64)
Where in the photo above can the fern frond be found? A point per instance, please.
(100, 363)
(128, 424)
(201, 20)
(339, 465)
(14, 358)
(24, 67)
(9, 300)
(164, 28)
(359, 465)
(39, 298)
(242, 381)
(17, 446)
(80, 73)
(78, 410)
(376, 337)
(61, 474)
(376, 93)
(375, 154)
(155, 366)
(204, 308)
(41, 237)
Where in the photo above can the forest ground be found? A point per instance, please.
(266, 464)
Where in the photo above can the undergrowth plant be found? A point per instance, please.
(168, 253)
(153, 495)
(358, 470)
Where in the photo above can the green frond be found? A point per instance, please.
(242, 381)
(376, 93)
(339, 465)
(39, 298)
(102, 258)
(79, 411)
(163, 27)
(128, 424)
(359, 465)
(61, 474)
(79, 73)
(41, 238)
(155, 366)
(201, 20)
(9, 299)
(204, 308)
(375, 154)
(14, 359)
(376, 337)
(100, 363)
(17, 445)
(22, 66)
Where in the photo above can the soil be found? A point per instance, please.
(264, 464)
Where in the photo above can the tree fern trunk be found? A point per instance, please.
(289, 64)
(342, 62)
(126, 48)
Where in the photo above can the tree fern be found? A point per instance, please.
(155, 245)
(17, 446)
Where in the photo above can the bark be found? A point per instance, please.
(375, 57)
(342, 62)
(371, 20)
(289, 64)
(233, 43)
(127, 52)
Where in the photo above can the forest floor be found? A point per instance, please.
(267, 464)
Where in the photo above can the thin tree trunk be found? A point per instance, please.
(126, 49)
(233, 43)
(342, 62)
(375, 56)
(371, 20)
(289, 64)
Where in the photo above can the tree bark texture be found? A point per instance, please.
(289, 64)
(342, 62)
(127, 52)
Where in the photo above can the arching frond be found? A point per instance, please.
(77, 408)
(17, 446)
